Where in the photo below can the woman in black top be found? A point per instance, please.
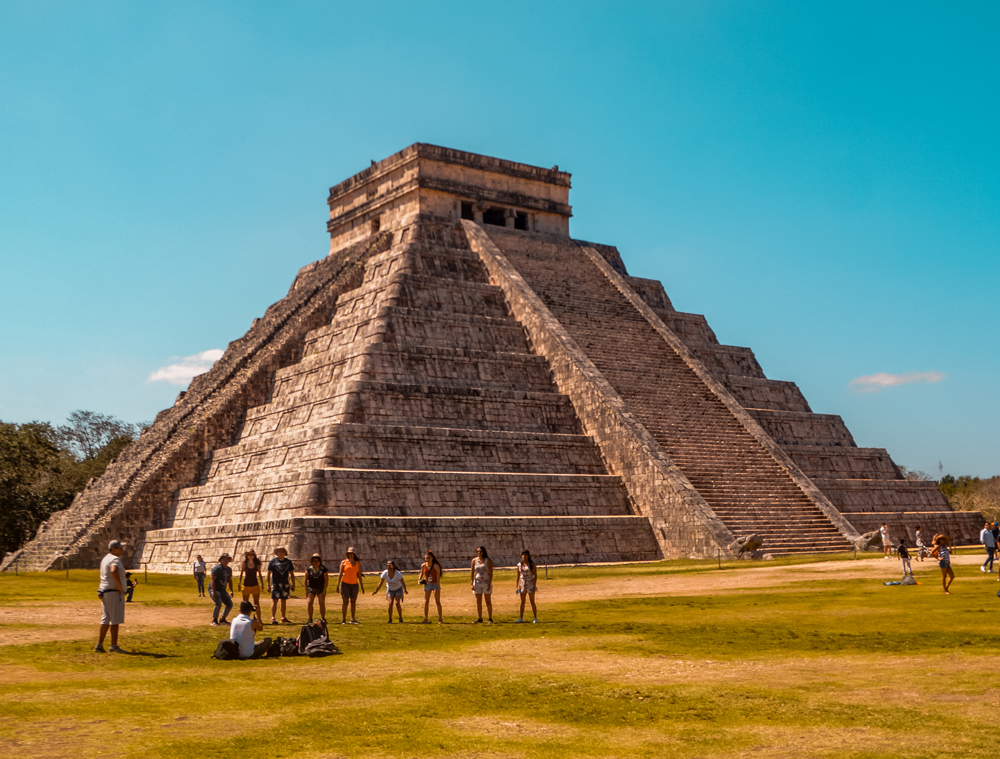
(317, 578)
(251, 573)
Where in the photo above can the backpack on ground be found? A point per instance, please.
(289, 646)
(309, 633)
(321, 647)
(274, 651)
(227, 650)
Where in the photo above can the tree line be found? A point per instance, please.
(42, 467)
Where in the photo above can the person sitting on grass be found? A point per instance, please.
(317, 579)
(395, 587)
(527, 581)
(221, 580)
(280, 581)
(242, 631)
(943, 555)
(904, 558)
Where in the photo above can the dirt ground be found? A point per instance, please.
(76, 620)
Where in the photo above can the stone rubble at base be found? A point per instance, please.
(460, 372)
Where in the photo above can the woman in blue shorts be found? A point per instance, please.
(430, 578)
(395, 588)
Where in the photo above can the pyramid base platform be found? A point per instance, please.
(551, 540)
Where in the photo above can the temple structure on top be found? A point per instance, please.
(459, 371)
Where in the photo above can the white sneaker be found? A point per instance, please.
(982, 569)
(518, 621)
(535, 621)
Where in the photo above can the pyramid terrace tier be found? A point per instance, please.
(368, 492)
(416, 365)
(860, 495)
(551, 540)
(409, 326)
(398, 404)
(371, 446)
(961, 526)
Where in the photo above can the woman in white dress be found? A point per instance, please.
(527, 579)
(481, 577)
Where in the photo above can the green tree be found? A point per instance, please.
(43, 467)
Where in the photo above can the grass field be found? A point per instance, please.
(651, 660)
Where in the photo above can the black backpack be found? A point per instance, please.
(227, 650)
(288, 646)
(309, 633)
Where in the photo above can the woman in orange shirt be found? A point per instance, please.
(348, 583)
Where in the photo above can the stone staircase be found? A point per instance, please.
(741, 481)
(419, 404)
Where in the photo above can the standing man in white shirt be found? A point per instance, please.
(112, 594)
(886, 542)
(242, 631)
(988, 541)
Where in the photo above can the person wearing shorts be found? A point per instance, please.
(281, 582)
(112, 594)
(349, 581)
(430, 578)
(943, 554)
(481, 577)
(886, 542)
(395, 588)
(317, 580)
(251, 575)
(527, 581)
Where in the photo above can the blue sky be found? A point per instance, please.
(819, 179)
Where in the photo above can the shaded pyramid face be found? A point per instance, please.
(420, 404)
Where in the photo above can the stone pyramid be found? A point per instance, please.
(459, 371)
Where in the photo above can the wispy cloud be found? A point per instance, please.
(187, 368)
(872, 383)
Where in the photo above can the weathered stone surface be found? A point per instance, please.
(457, 372)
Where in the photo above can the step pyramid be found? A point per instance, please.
(460, 372)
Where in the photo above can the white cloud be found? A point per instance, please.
(872, 383)
(189, 367)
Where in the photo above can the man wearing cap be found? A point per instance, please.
(112, 594)
(222, 579)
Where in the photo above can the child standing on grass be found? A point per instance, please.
(904, 558)
(527, 580)
(395, 588)
(317, 578)
(430, 578)
(943, 555)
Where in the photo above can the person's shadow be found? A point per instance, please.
(147, 653)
